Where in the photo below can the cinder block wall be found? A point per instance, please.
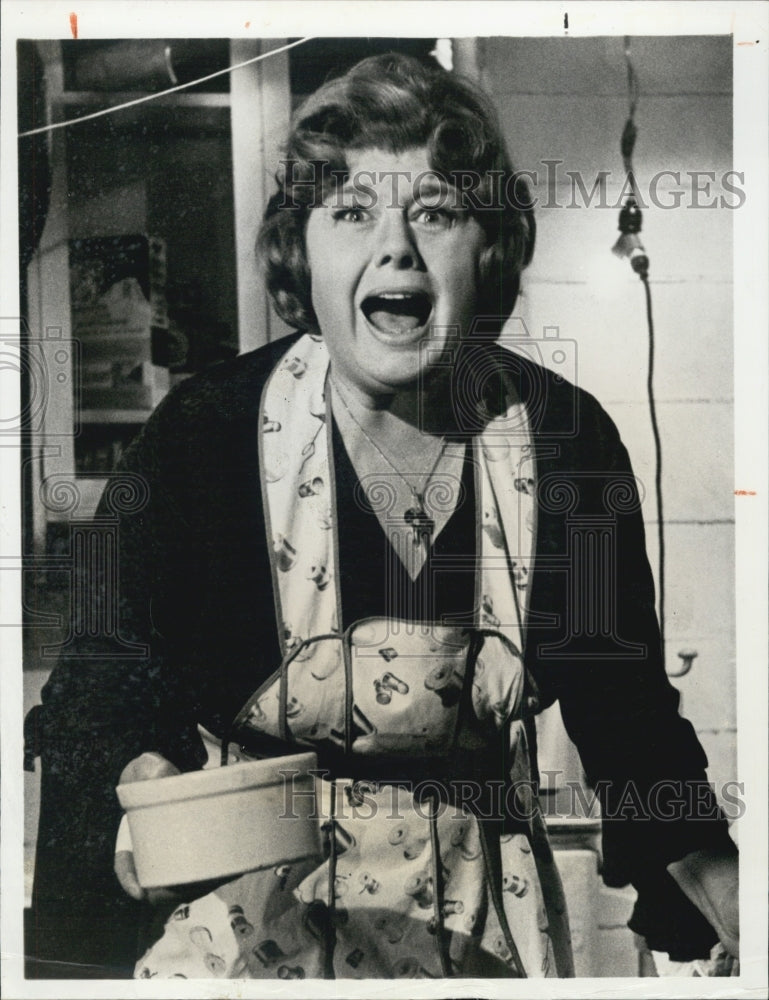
(566, 100)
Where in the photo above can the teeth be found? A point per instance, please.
(397, 312)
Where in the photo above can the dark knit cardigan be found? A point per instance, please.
(196, 634)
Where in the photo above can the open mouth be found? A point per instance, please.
(397, 313)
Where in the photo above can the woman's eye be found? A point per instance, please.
(351, 214)
(434, 218)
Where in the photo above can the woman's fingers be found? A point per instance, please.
(147, 766)
(126, 874)
(142, 768)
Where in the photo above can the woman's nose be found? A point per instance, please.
(398, 248)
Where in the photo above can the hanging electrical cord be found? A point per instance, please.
(658, 462)
(629, 245)
(629, 132)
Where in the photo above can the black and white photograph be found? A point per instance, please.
(383, 542)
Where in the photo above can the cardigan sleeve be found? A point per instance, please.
(171, 632)
(642, 758)
(109, 698)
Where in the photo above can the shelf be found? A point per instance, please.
(94, 99)
(114, 416)
(177, 112)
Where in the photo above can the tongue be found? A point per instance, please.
(394, 322)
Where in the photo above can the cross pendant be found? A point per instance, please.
(422, 525)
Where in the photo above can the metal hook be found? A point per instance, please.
(688, 657)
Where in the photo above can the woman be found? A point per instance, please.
(389, 505)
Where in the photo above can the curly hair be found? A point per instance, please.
(396, 103)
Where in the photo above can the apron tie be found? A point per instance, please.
(493, 865)
(329, 938)
(437, 876)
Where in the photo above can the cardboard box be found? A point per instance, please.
(119, 316)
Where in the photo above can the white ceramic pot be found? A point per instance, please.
(224, 821)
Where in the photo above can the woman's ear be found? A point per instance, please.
(498, 282)
(281, 249)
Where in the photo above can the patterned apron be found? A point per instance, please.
(422, 877)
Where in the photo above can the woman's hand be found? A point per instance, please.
(711, 881)
(142, 768)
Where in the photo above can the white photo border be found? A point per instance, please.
(749, 25)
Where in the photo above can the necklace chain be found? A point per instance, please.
(422, 525)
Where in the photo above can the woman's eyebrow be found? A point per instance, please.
(337, 193)
(431, 187)
(355, 183)
(434, 187)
